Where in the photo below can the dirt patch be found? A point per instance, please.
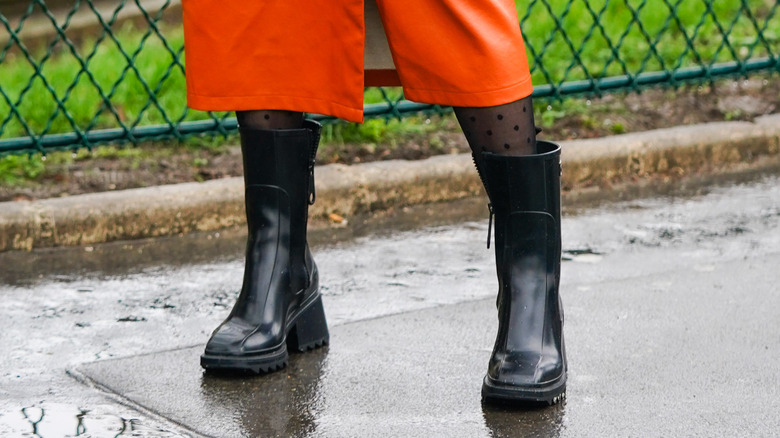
(153, 164)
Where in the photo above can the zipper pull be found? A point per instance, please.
(490, 224)
(312, 194)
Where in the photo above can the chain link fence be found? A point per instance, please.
(77, 73)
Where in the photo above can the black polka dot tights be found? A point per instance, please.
(504, 129)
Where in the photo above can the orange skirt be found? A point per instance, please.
(312, 55)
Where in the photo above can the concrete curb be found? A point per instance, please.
(347, 190)
(38, 28)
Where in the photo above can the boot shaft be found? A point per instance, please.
(525, 183)
(282, 160)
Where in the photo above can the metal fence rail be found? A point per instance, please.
(78, 73)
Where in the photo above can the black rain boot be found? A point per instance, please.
(529, 359)
(279, 305)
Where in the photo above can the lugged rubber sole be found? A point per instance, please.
(550, 395)
(306, 331)
(261, 363)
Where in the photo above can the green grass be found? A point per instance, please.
(660, 42)
(113, 92)
(16, 169)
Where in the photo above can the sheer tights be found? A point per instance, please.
(503, 129)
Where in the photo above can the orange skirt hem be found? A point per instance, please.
(500, 96)
(274, 102)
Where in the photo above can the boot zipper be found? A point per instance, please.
(314, 139)
(315, 142)
(312, 193)
(490, 206)
(490, 223)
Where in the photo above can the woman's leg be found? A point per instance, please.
(522, 180)
(279, 307)
(504, 129)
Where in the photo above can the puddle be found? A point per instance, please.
(65, 421)
(581, 255)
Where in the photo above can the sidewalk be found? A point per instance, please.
(347, 190)
(644, 361)
(666, 335)
(669, 302)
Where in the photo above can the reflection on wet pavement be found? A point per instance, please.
(411, 374)
(49, 420)
(282, 404)
(507, 421)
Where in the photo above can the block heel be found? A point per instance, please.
(310, 330)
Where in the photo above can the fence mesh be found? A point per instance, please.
(77, 73)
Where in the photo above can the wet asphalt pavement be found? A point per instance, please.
(671, 310)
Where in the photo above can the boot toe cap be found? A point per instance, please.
(228, 338)
(526, 369)
(236, 337)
